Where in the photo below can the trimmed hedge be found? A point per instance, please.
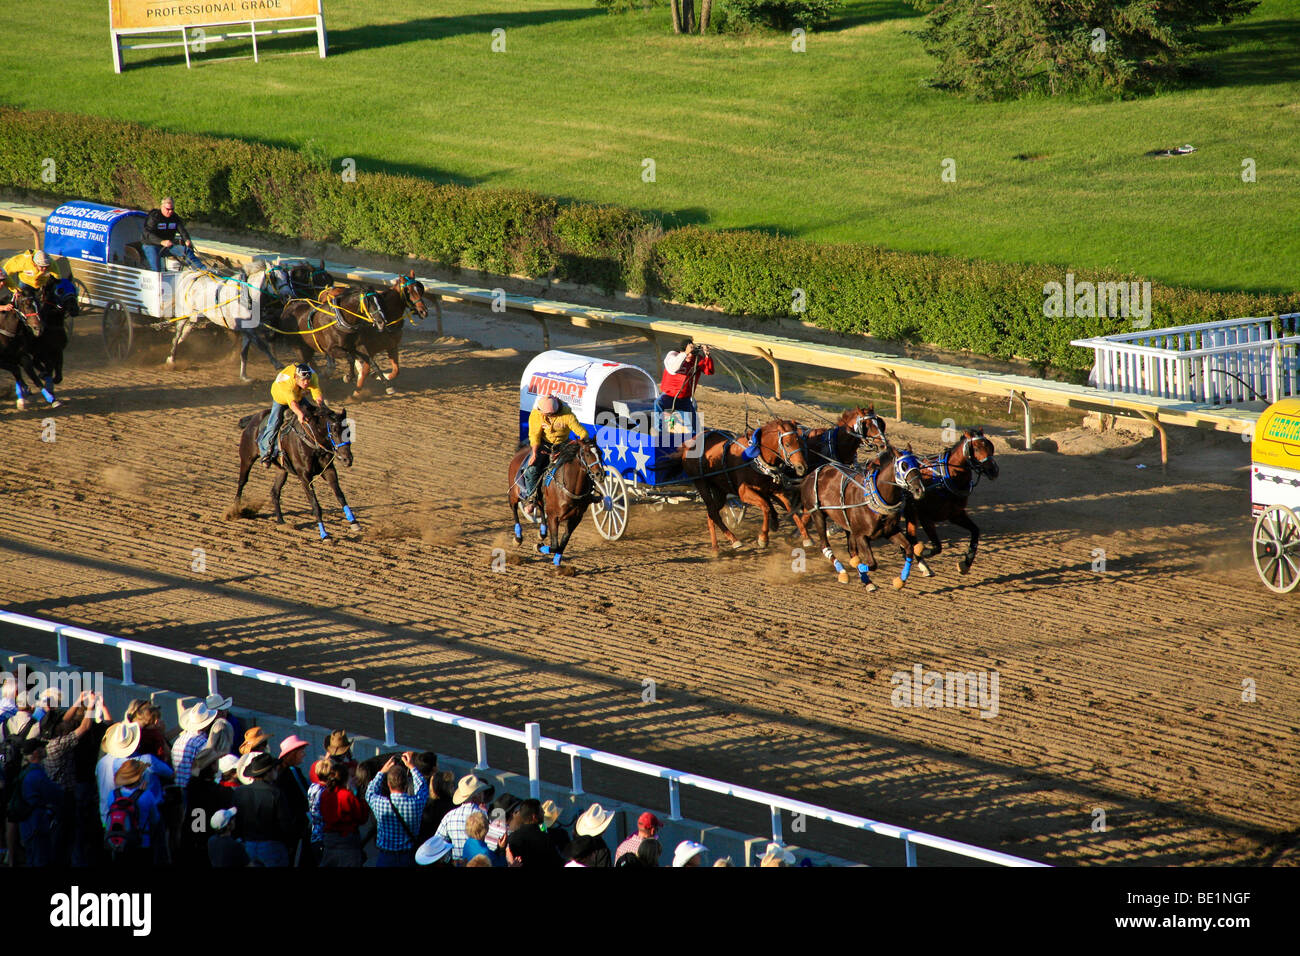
(988, 308)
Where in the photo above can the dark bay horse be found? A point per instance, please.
(950, 477)
(375, 341)
(305, 451)
(574, 479)
(868, 503)
(840, 442)
(20, 329)
(757, 472)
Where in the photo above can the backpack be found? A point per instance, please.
(123, 830)
(19, 809)
(11, 750)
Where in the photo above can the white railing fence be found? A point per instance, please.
(530, 737)
(1233, 362)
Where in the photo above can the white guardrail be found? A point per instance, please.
(530, 737)
(1232, 362)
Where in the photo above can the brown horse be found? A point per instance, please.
(868, 503)
(305, 451)
(375, 341)
(950, 478)
(841, 441)
(757, 473)
(573, 480)
(21, 328)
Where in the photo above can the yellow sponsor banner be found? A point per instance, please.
(146, 14)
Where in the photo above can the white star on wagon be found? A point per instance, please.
(622, 447)
(641, 459)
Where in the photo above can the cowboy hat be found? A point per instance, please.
(253, 737)
(593, 821)
(129, 774)
(217, 702)
(202, 760)
(223, 818)
(260, 766)
(550, 813)
(338, 743)
(468, 786)
(241, 768)
(197, 718)
(686, 851)
(227, 763)
(121, 739)
(290, 744)
(432, 850)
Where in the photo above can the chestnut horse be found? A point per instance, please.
(757, 473)
(842, 441)
(20, 329)
(868, 503)
(950, 478)
(573, 480)
(375, 341)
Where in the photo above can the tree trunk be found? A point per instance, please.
(706, 7)
(677, 22)
(688, 16)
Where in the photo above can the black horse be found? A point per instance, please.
(574, 480)
(20, 328)
(56, 307)
(306, 450)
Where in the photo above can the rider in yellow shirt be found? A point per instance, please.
(287, 391)
(549, 424)
(28, 271)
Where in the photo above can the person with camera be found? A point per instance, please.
(682, 370)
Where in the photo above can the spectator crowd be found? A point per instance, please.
(82, 788)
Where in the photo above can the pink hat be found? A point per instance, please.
(290, 744)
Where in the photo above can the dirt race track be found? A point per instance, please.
(1120, 690)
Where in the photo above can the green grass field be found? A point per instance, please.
(842, 143)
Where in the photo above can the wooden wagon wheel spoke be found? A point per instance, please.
(1277, 548)
(610, 512)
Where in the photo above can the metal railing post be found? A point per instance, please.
(776, 825)
(300, 705)
(575, 773)
(212, 680)
(674, 799)
(533, 741)
(910, 848)
(390, 738)
(128, 675)
(63, 646)
(480, 750)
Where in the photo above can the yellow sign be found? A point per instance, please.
(149, 14)
(1277, 435)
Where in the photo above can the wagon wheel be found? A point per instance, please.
(117, 331)
(1277, 548)
(733, 513)
(610, 513)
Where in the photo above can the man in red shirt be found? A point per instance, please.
(682, 370)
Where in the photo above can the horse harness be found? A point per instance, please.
(871, 495)
(941, 471)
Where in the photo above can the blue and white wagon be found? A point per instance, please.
(615, 402)
(102, 247)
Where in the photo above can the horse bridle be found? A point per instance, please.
(415, 304)
(774, 470)
(860, 425)
(587, 465)
(32, 320)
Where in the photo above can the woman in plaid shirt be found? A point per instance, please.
(397, 813)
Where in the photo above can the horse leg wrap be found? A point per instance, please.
(541, 530)
(556, 560)
(347, 513)
(519, 531)
(838, 567)
(544, 549)
(324, 535)
(907, 568)
(829, 554)
(864, 574)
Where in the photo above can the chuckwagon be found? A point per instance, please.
(1275, 495)
(102, 246)
(615, 402)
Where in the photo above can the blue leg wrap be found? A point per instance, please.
(519, 530)
(324, 535)
(543, 549)
(18, 389)
(542, 529)
(347, 513)
(839, 567)
(862, 573)
(47, 395)
(556, 560)
(907, 568)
